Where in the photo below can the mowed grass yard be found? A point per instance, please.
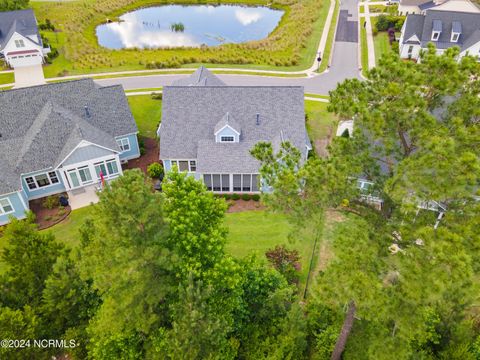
(291, 46)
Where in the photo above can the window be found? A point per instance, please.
(207, 179)
(410, 50)
(124, 144)
(227, 139)
(5, 206)
(42, 180)
(237, 182)
(100, 169)
(225, 182)
(193, 166)
(175, 163)
(30, 183)
(85, 175)
(246, 182)
(455, 37)
(216, 182)
(435, 35)
(19, 43)
(183, 165)
(53, 177)
(112, 167)
(254, 182)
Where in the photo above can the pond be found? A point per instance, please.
(195, 25)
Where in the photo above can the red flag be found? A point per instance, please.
(102, 178)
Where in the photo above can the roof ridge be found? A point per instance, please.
(24, 89)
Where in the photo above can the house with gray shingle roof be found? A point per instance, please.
(20, 41)
(445, 29)
(208, 131)
(407, 7)
(61, 137)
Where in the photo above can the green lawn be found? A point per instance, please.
(363, 46)
(331, 34)
(147, 113)
(291, 46)
(7, 78)
(382, 45)
(320, 122)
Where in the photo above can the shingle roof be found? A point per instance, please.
(201, 77)
(190, 114)
(41, 125)
(20, 21)
(227, 120)
(413, 26)
(469, 22)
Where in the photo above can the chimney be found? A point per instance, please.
(258, 119)
(87, 111)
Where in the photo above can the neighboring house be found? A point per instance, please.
(61, 137)
(20, 42)
(445, 29)
(407, 7)
(209, 131)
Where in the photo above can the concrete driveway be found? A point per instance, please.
(345, 64)
(28, 76)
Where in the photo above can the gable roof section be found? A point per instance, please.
(22, 22)
(201, 77)
(227, 120)
(190, 115)
(413, 28)
(41, 125)
(470, 23)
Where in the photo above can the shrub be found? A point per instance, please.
(50, 202)
(141, 145)
(156, 96)
(227, 196)
(155, 170)
(246, 197)
(287, 262)
(255, 197)
(235, 197)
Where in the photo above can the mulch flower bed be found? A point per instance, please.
(244, 205)
(152, 154)
(46, 218)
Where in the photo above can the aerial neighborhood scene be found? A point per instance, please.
(296, 179)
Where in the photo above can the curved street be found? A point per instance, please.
(345, 64)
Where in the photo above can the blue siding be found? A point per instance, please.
(15, 200)
(134, 151)
(45, 191)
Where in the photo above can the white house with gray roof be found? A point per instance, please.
(407, 7)
(208, 131)
(445, 29)
(20, 42)
(59, 138)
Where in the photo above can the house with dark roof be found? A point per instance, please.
(209, 130)
(445, 29)
(62, 137)
(20, 41)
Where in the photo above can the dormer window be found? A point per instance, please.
(227, 130)
(437, 30)
(227, 138)
(456, 31)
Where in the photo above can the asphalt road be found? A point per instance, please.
(344, 64)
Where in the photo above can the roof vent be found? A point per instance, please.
(87, 111)
(258, 119)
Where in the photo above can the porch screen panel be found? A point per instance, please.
(247, 178)
(237, 182)
(255, 184)
(207, 179)
(225, 182)
(216, 182)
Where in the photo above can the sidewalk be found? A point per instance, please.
(368, 29)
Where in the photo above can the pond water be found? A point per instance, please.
(203, 25)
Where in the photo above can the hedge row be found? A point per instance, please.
(246, 197)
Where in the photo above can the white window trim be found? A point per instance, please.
(454, 34)
(36, 183)
(19, 43)
(121, 143)
(231, 186)
(176, 161)
(2, 210)
(435, 38)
